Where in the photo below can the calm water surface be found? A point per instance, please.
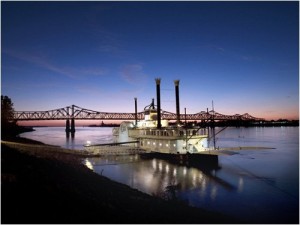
(257, 186)
(57, 136)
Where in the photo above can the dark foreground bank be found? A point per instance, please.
(44, 188)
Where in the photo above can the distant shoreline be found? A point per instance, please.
(217, 124)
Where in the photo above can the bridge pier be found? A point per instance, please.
(72, 125)
(67, 125)
(70, 129)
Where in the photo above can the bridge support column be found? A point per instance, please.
(67, 126)
(72, 126)
(70, 129)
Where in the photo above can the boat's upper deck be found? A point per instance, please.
(168, 133)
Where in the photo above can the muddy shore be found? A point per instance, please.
(49, 186)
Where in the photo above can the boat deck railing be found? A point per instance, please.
(113, 150)
(168, 133)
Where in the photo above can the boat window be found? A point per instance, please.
(153, 117)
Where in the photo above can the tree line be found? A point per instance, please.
(9, 126)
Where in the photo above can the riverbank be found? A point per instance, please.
(52, 187)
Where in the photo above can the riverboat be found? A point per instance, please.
(167, 139)
(159, 138)
(155, 135)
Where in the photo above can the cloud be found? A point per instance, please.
(212, 47)
(93, 71)
(88, 90)
(45, 64)
(229, 53)
(37, 60)
(133, 74)
(108, 42)
(108, 48)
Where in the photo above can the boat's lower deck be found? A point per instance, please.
(173, 146)
(168, 140)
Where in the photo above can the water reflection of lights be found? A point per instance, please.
(200, 176)
(184, 171)
(148, 178)
(154, 164)
(203, 184)
(160, 166)
(189, 177)
(155, 175)
(241, 184)
(213, 193)
(167, 168)
(89, 164)
(213, 173)
(194, 179)
(169, 174)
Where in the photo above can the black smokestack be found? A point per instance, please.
(176, 82)
(135, 114)
(157, 80)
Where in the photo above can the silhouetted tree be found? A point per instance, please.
(7, 115)
(7, 110)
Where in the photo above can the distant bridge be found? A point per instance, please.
(73, 112)
(78, 113)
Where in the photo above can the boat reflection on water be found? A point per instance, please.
(160, 177)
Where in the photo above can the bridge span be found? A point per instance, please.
(78, 113)
(73, 112)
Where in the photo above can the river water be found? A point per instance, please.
(257, 186)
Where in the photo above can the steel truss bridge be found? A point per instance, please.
(77, 113)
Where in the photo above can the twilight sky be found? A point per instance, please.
(100, 55)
